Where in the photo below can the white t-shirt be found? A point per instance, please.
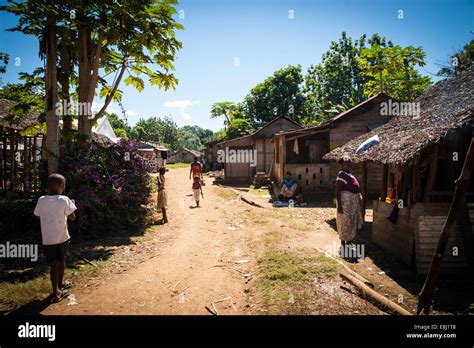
(53, 212)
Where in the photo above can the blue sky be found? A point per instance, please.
(261, 38)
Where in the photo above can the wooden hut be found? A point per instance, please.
(261, 142)
(154, 155)
(19, 153)
(183, 156)
(422, 156)
(300, 152)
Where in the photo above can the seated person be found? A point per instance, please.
(289, 190)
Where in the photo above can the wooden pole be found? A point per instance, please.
(364, 189)
(383, 191)
(374, 295)
(431, 174)
(426, 294)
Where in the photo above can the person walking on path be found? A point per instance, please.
(197, 190)
(196, 169)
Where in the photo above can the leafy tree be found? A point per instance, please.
(336, 83)
(4, 59)
(392, 69)
(459, 61)
(278, 95)
(239, 127)
(193, 137)
(120, 127)
(160, 130)
(226, 109)
(189, 139)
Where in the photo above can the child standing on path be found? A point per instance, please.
(197, 190)
(54, 210)
(162, 200)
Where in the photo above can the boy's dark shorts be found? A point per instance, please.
(56, 252)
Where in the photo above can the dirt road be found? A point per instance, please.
(189, 263)
(210, 259)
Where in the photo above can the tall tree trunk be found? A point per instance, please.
(84, 123)
(52, 119)
(64, 80)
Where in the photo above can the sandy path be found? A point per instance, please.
(194, 265)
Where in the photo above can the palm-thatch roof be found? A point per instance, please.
(447, 105)
(7, 120)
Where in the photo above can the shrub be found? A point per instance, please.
(110, 186)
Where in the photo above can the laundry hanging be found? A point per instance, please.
(296, 149)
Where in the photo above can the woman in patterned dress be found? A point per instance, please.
(349, 211)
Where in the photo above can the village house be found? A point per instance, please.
(422, 156)
(154, 155)
(300, 152)
(258, 149)
(183, 156)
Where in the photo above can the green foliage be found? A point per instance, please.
(120, 127)
(28, 94)
(166, 131)
(239, 127)
(459, 61)
(278, 95)
(393, 70)
(226, 109)
(336, 84)
(17, 216)
(4, 59)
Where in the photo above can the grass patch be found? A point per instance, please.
(263, 191)
(226, 194)
(178, 165)
(281, 273)
(19, 293)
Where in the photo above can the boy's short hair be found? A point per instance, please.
(162, 170)
(56, 179)
(288, 173)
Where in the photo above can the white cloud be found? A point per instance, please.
(180, 104)
(186, 116)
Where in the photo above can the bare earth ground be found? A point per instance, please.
(222, 251)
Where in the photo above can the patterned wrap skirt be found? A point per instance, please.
(350, 221)
(162, 201)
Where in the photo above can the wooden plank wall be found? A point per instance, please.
(427, 232)
(417, 231)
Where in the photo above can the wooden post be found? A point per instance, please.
(383, 191)
(431, 174)
(364, 189)
(407, 173)
(426, 294)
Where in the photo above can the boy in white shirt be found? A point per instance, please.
(54, 210)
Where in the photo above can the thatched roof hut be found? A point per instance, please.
(447, 105)
(422, 155)
(7, 120)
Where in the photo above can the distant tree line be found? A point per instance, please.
(350, 71)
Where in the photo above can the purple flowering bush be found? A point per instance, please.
(110, 187)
